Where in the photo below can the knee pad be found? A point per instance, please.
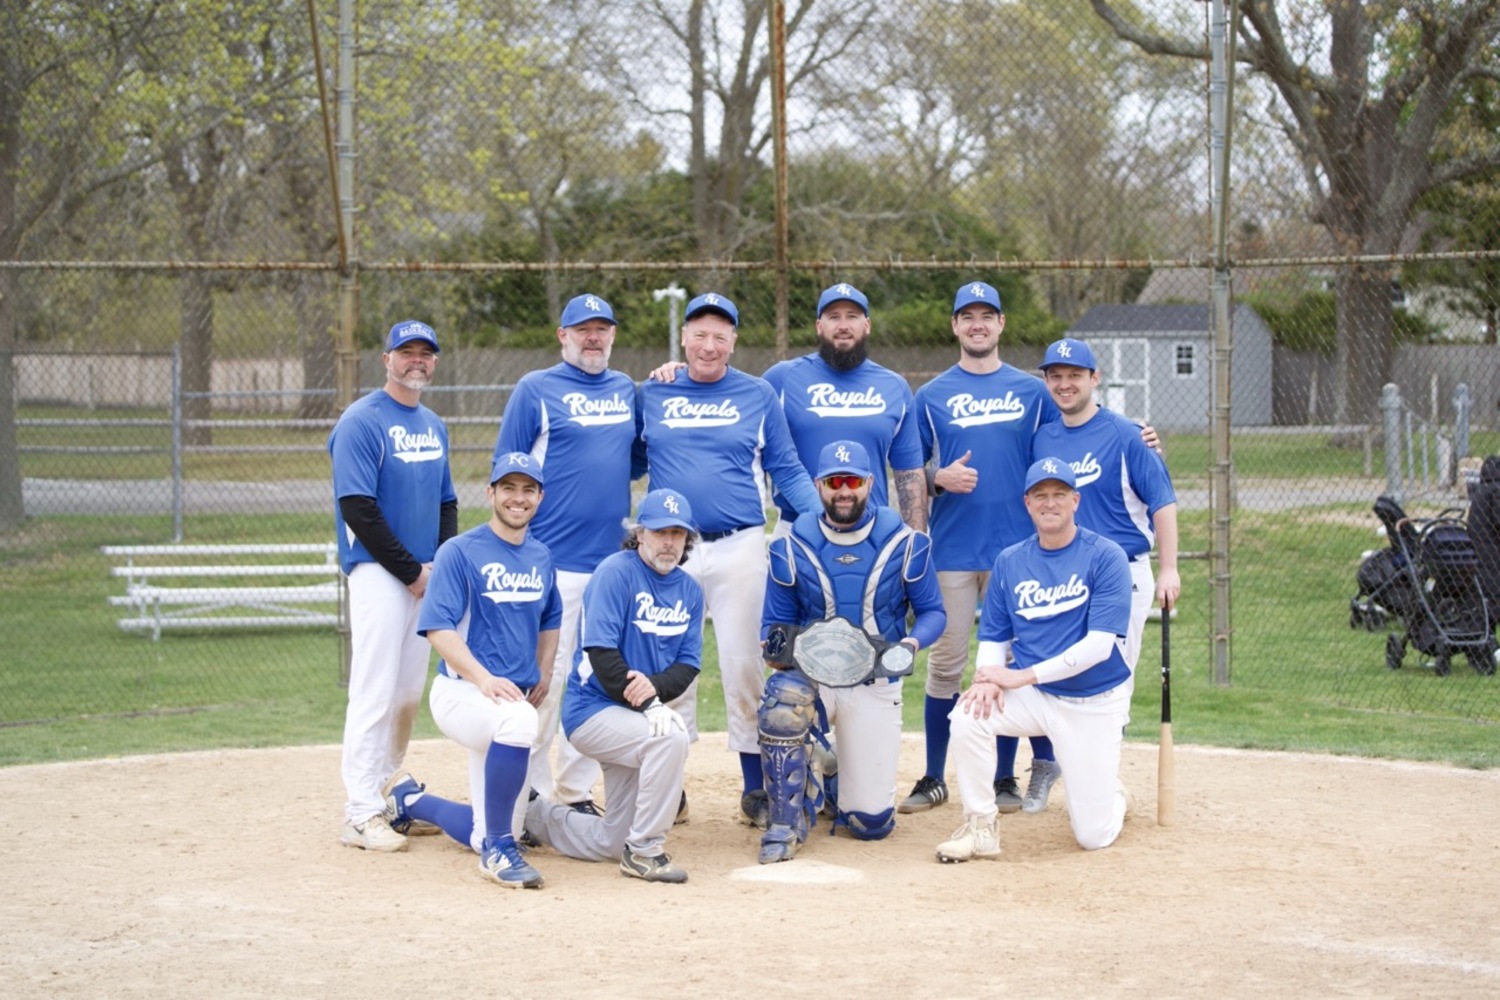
(787, 708)
(869, 826)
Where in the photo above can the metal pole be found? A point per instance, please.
(1390, 409)
(1222, 30)
(673, 294)
(177, 443)
(1463, 407)
(346, 359)
(777, 22)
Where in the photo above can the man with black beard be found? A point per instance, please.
(838, 393)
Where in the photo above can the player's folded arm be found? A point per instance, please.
(362, 516)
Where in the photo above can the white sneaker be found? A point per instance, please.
(977, 838)
(374, 834)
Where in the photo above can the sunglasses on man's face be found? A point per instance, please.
(844, 482)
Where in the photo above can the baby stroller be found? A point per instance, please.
(1428, 581)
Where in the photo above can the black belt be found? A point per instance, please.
(714, 536)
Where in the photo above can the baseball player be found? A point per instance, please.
(578, 419)
(642, 637)
(711, 434)
(394, 503)
(976, 421)
(859, 561)
(1059, 604)
(1126, 493)
(838, 393)
(492, 613)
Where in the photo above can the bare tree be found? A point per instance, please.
(1363, 91)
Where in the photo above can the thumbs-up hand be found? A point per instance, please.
(957, 477)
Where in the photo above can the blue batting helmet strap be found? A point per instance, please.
(918, 552)
(867, 826)
(783, 562)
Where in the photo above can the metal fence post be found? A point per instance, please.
(1463, 407)
(177, 442)
(1390, 408)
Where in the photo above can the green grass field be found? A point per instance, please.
(72, 685)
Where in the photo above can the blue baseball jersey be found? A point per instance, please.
(1121, 482)
(498, 597)
(870, 404)
(866, 581)
(994, 416)
(714, 441)
(397, 454)
(1044, 600)
(652, 619)
(581, 427)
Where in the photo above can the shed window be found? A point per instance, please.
(1185, 360)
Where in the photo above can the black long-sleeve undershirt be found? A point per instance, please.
(363, 517)
(612, 670)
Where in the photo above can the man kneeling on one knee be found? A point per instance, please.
(1059, 605)
(864, 564)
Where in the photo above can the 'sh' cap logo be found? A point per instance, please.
(1050, 466)
(842, 453)
(670, 502)
(845, 289)
(976, 290)
(592, 303)
(711, 299)
(1065, 351)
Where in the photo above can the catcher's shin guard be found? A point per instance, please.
(786, 716)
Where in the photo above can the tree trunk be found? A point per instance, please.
(195, 295)
(1365, 348)
(315, 342)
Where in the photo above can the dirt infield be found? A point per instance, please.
(1285, 875)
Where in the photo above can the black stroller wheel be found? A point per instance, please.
(1395, 651)
(1442, 665)
(1483, 660)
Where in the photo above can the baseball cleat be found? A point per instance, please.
(755, 806)
(374, 834)
(398, 792)
(682, 811)
(779, 844)
(977, 838)
(928, 793)
(1007, 795)
(501, 862)
(1044, 774)
(653, 869)
(586, 806)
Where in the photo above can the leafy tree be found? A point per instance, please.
(1363, 88)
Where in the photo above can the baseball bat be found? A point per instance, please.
(1166, 776)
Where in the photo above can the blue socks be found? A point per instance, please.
(938, 728)
(504, 777)
(751, 771)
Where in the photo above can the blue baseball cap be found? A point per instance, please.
(408, 330)
(661, 509)
(515, 461)
(1050, 468)
(583, 308)
(976, 292)
(844, 457)
(842, 292)
(1069, 352)
(712, 302)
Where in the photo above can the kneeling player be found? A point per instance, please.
(866, 565)
(640, 648)
(491, 611)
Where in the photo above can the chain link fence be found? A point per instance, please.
(209, 217)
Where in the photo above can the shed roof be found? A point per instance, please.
(1139, 319)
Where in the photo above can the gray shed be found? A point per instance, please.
(1155, 363)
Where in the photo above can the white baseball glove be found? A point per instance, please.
(663, 719)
